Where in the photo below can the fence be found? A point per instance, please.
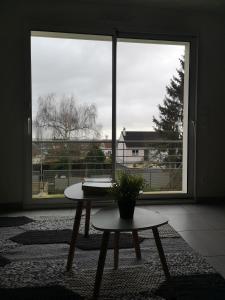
(58, 164)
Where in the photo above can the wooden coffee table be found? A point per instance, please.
(108, 221)
(75, 193)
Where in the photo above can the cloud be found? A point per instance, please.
(84, 68)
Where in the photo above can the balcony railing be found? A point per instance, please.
(59, 163)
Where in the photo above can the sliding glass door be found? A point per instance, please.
(71, 111)
(152, 113)
(102, 106)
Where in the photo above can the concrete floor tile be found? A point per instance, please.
(206, 242)
(188, 222)
(218, 262)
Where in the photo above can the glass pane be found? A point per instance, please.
(150, 113)
(71, 111)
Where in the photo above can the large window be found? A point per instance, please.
(76, 133)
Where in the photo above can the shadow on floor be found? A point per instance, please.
(193, 287)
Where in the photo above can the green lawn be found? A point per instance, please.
(51, 196)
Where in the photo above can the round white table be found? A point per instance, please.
(75, 193)
(108, 221)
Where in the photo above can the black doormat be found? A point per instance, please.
(3, 261)
(33, 237)
(93, 242)
(14, 221)
(39, 293)
(193, 287)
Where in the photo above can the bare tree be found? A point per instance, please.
(65, 118)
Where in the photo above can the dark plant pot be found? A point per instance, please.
(126, 208)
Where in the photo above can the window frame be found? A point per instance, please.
(192, 106)
(191, 102)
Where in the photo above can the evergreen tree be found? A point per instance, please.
(96, 157)
(170, 121)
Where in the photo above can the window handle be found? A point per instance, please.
(194, 125)
(29, 126)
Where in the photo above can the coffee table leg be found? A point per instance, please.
(161, 253)
(87, 218)
(75, 232)
(136, 244)
(101, 263)
(116, 249)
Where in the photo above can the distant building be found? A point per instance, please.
(106, 147)
(135, 147)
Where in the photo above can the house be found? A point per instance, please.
(135, 147)
(106, 147)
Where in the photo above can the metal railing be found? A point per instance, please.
(59, 163)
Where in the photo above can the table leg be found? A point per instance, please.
(87, 218)
(161, 253)
(101, 263)
(116, 249)
(136, 244)
(75, 232)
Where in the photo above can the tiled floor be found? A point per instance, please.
(202, 226)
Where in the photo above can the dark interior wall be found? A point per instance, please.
(101, 17)
(211, 117)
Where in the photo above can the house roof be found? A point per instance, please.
(140, 138)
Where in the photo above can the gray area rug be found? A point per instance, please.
(3, 261)
(59, 236)
(41, 265)
(60, 223)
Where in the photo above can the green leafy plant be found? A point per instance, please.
(127, 187)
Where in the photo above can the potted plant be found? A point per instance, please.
(126, 190)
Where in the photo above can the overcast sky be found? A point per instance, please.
(83, 68)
